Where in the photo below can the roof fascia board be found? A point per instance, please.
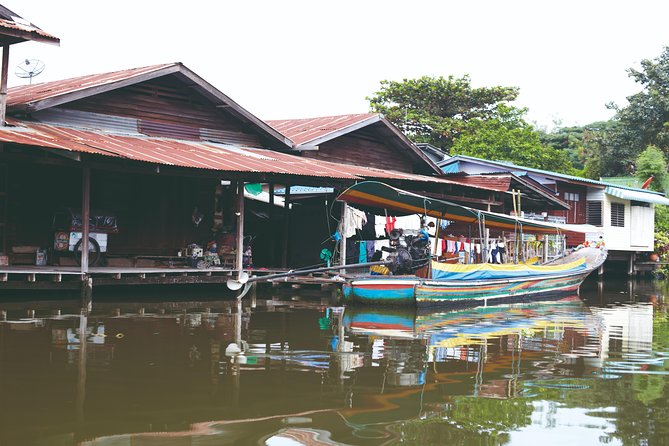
(308, 145)
(85, 92)
(528, 170)
(29, 35)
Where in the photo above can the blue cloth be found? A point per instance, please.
(362, 256)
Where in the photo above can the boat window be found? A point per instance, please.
(593, 213)
(618, 214)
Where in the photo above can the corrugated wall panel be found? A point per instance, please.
(88, 120)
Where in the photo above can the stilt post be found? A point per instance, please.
(85, 217)
(239, 261)
(286, 227)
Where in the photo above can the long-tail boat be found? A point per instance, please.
(416, 278)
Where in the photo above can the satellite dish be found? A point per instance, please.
(29, 68)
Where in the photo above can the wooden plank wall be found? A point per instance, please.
(154, 212)
(363, 151)
(166, 108)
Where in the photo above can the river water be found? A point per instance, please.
(141, 371)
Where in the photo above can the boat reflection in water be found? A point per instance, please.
(282, 372)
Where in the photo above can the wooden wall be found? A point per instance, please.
(154, 212)
(166, 108)
(566, 191)
(361, 150)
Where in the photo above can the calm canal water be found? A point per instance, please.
(578, 371)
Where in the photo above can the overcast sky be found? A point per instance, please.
(293, 59)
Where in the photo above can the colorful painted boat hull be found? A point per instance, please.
(427, 292)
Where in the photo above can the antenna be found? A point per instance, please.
(29, 68)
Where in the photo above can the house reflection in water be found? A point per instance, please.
(312, 374)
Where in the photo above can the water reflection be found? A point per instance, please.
(268, 371)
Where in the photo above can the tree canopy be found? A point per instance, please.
(508, 137)
(452, 115)
(643, 122)
(436, 110)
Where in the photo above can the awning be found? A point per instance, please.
(373, 196)
(637, 195)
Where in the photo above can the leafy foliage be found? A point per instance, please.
(436, 110)
(508, 137)
(651, 162)
(644, 122)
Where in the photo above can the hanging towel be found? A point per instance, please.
(362, 256)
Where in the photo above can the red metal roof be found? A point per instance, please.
(195, 154)
(12, 24)
(499, 183)
(302, 131)
(171, 152)
(37, 92)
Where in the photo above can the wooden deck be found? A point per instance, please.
(70, 277)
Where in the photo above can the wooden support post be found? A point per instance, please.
(286, 228)
(85, 216)
(272, 245)
(630, 265)
(3, 84)
(239, 261)
(342, 240)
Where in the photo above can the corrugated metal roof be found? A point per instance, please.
(43, 96)
(27, 94)
(499, 182)
(304, 131)
(514, 168)
(16, 26)
(196, 154)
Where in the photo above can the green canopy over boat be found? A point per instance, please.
(374, 196)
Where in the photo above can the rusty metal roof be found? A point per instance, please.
(499, 183)
(31, 98)
(15, 29)
(29, 94)
(171, 152)
(310, 130)
(196, 154)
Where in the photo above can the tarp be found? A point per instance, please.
(484, 271)
(372, 196)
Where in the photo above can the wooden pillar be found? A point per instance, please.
(85, 217)
(630, 265)
(272, 245)
(286, 227)
(239, 212)
(342, 240)
(3, 84)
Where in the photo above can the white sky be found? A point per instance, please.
(293, 59)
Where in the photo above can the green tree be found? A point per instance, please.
(437, 110)
(651, 162)
(508, 137)
(644, 122)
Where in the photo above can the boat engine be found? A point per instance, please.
(409, 251)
